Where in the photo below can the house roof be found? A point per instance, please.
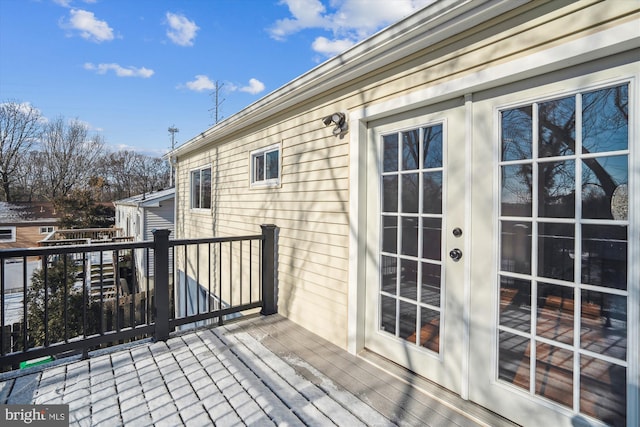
(432, 24)
(148, 200)
(20, 213)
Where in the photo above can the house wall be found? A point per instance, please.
(27, 236)
(311, 206)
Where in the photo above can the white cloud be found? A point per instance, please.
(119, 70)
(201, 83)
(255, 86)
(350, 22)
(181, 30)
(331, 47)
(88, 25)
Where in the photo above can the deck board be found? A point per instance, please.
(255, 371)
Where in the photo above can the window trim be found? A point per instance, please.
(13, 234)
(191, 189)
(46, 229)
(261, 152)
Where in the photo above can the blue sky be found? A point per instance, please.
(130, 69)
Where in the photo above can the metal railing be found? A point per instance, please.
(84, 297)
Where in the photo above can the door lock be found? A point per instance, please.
(455, 254)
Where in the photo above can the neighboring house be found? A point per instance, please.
(459, 193)
(24, 224)
(138, 216)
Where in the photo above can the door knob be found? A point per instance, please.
(455, 254)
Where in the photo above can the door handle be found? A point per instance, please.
(455, 254)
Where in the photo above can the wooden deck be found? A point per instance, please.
(259, 371)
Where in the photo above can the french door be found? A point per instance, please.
(502, 268)
(414, 288)
(562, 272)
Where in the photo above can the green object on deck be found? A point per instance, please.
(35, 362)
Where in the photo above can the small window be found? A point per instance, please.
(7, 234)
(201, 188)
(265, 166)
(46, 229)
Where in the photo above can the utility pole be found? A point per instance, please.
(217, 102)
(172, 130)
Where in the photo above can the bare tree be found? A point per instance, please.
(20, 127)
(70, 156)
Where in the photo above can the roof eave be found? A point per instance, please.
(432, 24)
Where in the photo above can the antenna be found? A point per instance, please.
(217, 102)
(172, 130)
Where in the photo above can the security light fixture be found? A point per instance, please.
(339, 120)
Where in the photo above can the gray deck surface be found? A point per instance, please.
(261, 371)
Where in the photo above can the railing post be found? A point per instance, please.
(269, 269)
(161, 280)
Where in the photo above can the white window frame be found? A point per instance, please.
(192, 203)
(13, 234)
(46, 229)
(262, 153)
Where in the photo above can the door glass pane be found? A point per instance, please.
(605, 124)
(555, 313)
(432, 146)
(409, 279)
(516, 190)
(556, 126)
(388, 314)
(390, 193)
(517, 133)
(431, 238)
(429, 329)
(409, 236)
(556, 251)
(515, 247)
(430, 287)
(604, 187)
(515, 303)
(556, 189)
(603, 322)
(408, 318)
(432, 192)
(390, 234)
(603, 390)
(410, 147)
(604, 260)
(389, 274)
(410, 190)
(554, 373)
(514, 365)
(390, 153)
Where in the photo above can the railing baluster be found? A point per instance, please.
(241, 272)
(186, 283)
(65, 286)
(2, 352)
(102, 292)
(197, 279)
(25, 301)
(46, 300)
(209, 278)
(116, 276)
(219, 299)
